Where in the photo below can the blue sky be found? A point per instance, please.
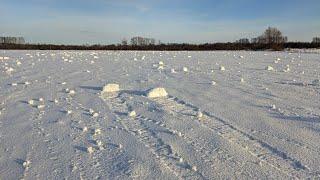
(192, 21)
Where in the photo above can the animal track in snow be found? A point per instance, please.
(157, 146)
(259, 149)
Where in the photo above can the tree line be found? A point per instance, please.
(271, 39)
(166, 47)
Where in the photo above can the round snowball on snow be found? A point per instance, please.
(97, 131)
(31, 102)
(95, 114)
(194, 168)
(90, 150)
(185, 69)
(199, 114)
(157, 92)
(26, 164)
(269, 68)
(72, 92)
(9, 70)
(160, 67)
(99, 143)
(132, 114)
(41, 106)
(139, 131)
(287, 69)
(111, 88)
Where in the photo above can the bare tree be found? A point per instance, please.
(12, 40)
(270, 36)
(259, 40)
(124, 42)
(274, 36)
(316, 40)
(243, 41)
(142, 41)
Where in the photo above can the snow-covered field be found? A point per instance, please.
(227, 115)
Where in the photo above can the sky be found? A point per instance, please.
(189, 21)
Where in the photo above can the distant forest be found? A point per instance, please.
(271, 39)
(167, 47)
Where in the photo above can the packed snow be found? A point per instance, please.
(159, 115)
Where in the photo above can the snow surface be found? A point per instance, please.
(60, 126)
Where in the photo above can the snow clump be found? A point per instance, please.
(222, 68)
(90, 150)
(269, 68)
(31, 102)
(9, 70)
(85, 129)
(26, 164)
(185, 69)
(111, 88)
(41, 106)
(132, 114)
(94, 114)
(157, 92)
(199, 114)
